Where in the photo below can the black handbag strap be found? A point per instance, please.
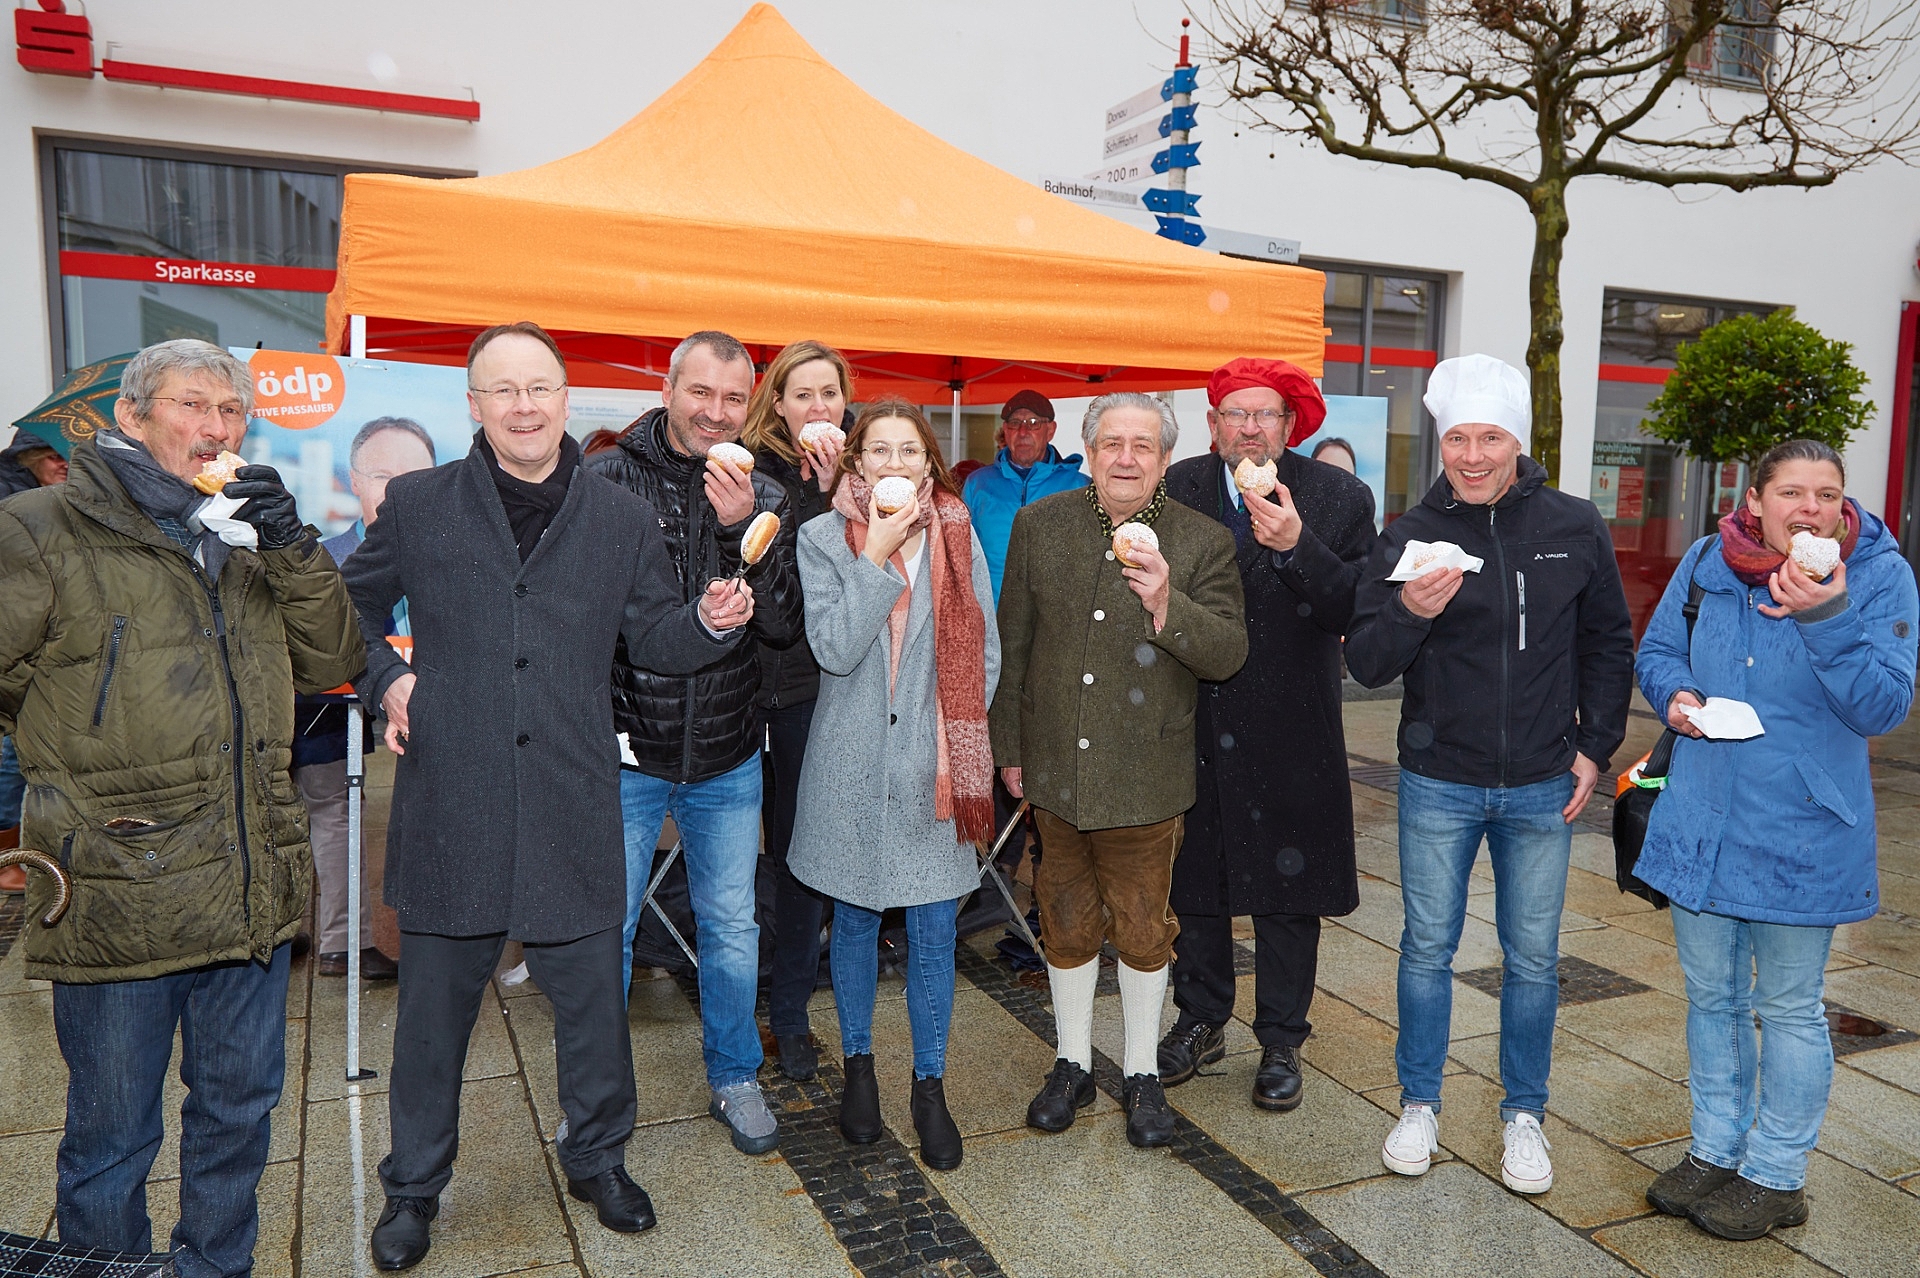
(1661, 759)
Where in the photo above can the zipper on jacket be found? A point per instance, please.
(113, 661)
(696, 529)
(1520, 579)
(1506, 665)
(239, 748)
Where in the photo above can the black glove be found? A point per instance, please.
(269, 506)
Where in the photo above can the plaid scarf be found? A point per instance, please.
(1753, 561)
(963, 781)
(1147, 516)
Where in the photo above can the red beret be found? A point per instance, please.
(1309, 409)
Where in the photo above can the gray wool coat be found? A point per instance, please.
(506, 805)
(864, 830)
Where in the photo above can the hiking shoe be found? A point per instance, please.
(1187, 1046)
(743, 1109)
(1743, 1211)
(1277, 1083)
(1149, 1120)
(1676, 1190)
(1525, 1166)
(1068, 1088)
(1413, 1142)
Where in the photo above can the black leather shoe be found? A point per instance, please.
(1743, 1211)
(1187, 1046)
(1677, 1190)
(860, 1101)
(374, 966)
(1067, 1089)
(400, 1239)
(940, 1146)
(1149, 1119)
(1276, 1084)
(799, 1059)
(621, 1205)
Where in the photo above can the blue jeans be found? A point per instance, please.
(719, 824)
(1441, 825)
(13, 786)
(856, 973)
(117, 1039)
(1758, 1113)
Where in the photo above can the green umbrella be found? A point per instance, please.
(80, 406)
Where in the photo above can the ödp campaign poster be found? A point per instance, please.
(1359, 421)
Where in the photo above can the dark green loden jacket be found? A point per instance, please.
(1094, 707)
(153, 719)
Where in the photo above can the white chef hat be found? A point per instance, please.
(1480, 388)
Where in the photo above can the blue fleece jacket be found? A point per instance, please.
(994, 495)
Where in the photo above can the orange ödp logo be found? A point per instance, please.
(296, 389)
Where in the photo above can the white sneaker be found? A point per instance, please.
(1413, 1142)
(1525, 1166)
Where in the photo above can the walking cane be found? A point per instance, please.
(990, 868)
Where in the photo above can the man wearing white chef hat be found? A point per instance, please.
(1514, 647)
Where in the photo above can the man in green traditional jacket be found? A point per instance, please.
(147, 669)
(1093, 724)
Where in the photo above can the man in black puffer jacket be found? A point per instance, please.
(693, 743)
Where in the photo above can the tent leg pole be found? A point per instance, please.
(357, 336)
(957, 434)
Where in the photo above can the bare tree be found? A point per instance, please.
(1530, 94)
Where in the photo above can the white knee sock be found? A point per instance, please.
(1073, 1009)
(1143, 996)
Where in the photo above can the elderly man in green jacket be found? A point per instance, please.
(147, 669)
(1093, 724)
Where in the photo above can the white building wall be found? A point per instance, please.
(1021, 85)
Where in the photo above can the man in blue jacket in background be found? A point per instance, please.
(1027, 468)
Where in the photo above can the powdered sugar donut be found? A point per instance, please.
(892, 494)
(1129, 537)
(1249, 478)
(813, 434)
(1815, 556)
(731, 455)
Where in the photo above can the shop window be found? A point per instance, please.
(1656, 499)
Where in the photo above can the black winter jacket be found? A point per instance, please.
(1531, 660)
(790, 676)
(685, 729)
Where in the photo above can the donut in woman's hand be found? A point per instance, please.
(813, 434)
(732, 455)
(1129, 539)
(1249, 478)
(1815, 556)
(894, 493)
(759, 537)
(218, 472)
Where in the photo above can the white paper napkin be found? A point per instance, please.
(1724, 719)
(216, 513)
(1437, 555)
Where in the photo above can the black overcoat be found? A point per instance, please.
(1271, 831)
(506, 804)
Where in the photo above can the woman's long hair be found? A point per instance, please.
(856, 442)
(766, 430)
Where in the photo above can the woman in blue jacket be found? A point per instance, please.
(1765, 845)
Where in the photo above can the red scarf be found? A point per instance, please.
(963, 782)
(1753, 561)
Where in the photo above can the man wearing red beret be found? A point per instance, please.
(1271, 830)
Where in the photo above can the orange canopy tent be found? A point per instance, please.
(767, 195)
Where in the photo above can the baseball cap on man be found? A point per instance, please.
(1031, 400)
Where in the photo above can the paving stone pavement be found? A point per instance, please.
(1240, 1192)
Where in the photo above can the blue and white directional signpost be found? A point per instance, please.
(1173, 204)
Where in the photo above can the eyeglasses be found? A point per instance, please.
(505, 395)
(231, 414)
(880, 454)
(1027, 423)
(1265, 416)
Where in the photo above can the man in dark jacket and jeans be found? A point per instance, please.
(693, 739)
(147, 670)
(521, 570)
(1517, 678)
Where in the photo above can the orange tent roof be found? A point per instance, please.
(767, 195)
